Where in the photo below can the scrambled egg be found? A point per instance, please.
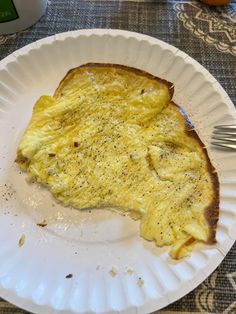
(110, 137)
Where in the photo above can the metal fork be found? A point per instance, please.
(225, 136)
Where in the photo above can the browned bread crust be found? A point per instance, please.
(72, 72)
(212, 211)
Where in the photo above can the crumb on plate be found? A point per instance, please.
(140, 282)
(21, 240)
(113, 271)
(129, 271)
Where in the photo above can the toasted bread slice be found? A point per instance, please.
(111, 137)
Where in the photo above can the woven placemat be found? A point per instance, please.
(206, 34)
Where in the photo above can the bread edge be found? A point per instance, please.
(168, 84)
(211, 212)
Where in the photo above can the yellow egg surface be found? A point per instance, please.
(111, 137)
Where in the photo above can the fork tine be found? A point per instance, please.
(225, 139)
(225, 136)
(225, 126)
(224, 145)
(224, 132)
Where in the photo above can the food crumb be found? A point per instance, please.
(129, 271)
(113, 271)
(140, 282)
(42, 224)
(69, 276)
(21, 240)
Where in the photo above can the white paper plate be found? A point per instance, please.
(86, 244)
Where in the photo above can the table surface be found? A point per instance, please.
(208, 34)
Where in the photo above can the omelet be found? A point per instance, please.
(111, 137)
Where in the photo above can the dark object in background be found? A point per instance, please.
(215, 2)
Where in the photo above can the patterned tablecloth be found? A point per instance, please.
(206, 34)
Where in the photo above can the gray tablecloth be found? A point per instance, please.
(206, 34)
